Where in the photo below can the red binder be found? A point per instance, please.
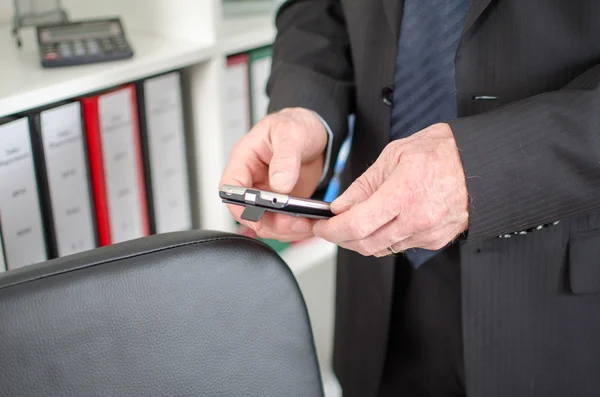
(116, 167)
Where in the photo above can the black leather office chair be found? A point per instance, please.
(183, 314)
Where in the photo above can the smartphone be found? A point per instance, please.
(258, 201)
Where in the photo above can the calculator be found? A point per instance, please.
(82, 42)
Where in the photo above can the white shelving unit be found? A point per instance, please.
(240, 33)
(166, 35)
(26, 85)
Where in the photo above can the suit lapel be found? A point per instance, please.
(393, 13)
(477, 8)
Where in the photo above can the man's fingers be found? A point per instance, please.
(360, 190)
(357, 192)
(284, 238)
(378, 241)
(430, 240)
(363, 219)
(284, 168)
(374, 177)
(280, 227)
(286, 224)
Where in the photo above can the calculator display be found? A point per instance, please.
(80, 31)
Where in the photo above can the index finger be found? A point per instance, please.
(241, 171)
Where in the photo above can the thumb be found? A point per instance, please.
(360, 190)
(284, 168)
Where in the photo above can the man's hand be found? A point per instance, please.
(283, 153)
(413, 196)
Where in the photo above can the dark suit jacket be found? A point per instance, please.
(531, 303)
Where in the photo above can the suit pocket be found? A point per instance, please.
(584, 262)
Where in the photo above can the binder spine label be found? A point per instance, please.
(167, 155)
(67, 178)
(21, 218)
(120, 150)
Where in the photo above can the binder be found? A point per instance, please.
(260, 70)
(21, 221)
(63, 177)
(117, 175)
(237, 102)
(3, 266)
(2, 260)
(163, 133)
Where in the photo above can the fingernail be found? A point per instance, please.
(300, 227)
(280, 181)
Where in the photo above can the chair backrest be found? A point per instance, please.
(182, 314)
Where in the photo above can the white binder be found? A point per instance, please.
(67, 179)
(237, 103)
(20, 213)
(260, 70)
(124, 189)
(166, 154)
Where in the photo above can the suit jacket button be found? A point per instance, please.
(387, 95)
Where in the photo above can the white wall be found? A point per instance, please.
(6, 7)
(193, 20)
(5, 11)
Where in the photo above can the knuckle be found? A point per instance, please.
(366, 248)
(431, 157)
(395, 205)
(391, 149)
(358, 230)
(363, 252)
(364, 185)
(391, 154)
(427, 219)
(285, 157)
(397, 232)
(439, 245)
(433, 217)
(436, 244)
(422, 222)
(436, 241)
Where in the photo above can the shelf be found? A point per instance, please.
(303, 256)
(26, 85)
(243, 33)
(331, 385)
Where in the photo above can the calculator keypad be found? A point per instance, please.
(81, 48)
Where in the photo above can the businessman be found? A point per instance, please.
(469, 223)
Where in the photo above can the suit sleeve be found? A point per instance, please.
(534, 161)
(312, 66)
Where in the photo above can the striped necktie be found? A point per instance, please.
(424, 83)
